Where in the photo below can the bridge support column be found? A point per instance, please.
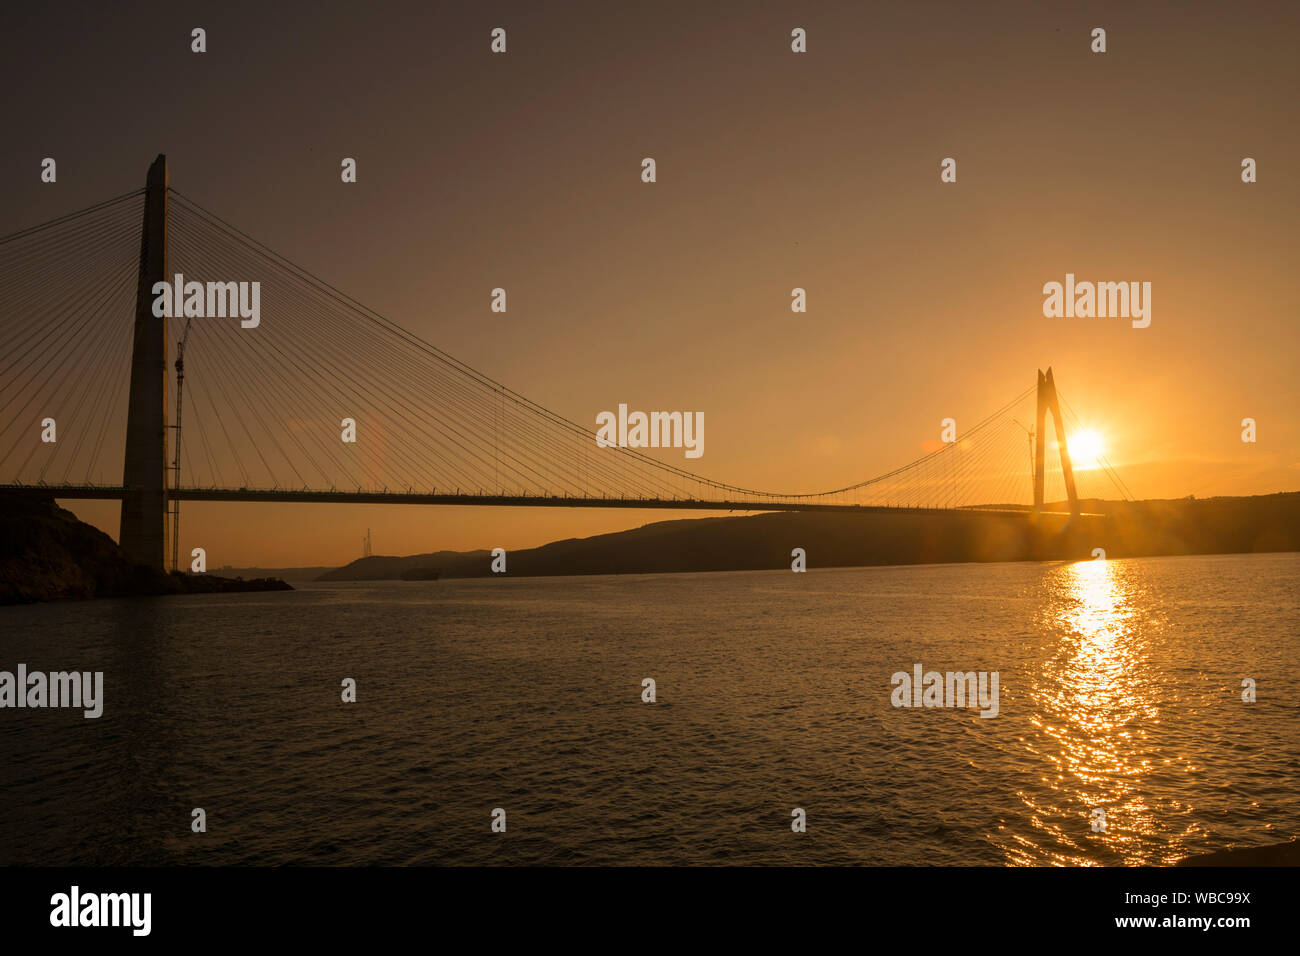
(143, 530)
(1047, 401)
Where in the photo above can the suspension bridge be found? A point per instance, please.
(96, 389)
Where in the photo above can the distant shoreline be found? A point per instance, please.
(765, 541)
(47, 554)
(1276, 854)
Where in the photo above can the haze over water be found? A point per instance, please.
(1120, 688)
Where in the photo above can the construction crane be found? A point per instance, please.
(175, 505)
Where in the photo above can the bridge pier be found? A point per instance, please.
(143, 531)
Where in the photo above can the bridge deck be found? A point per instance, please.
(109, 493)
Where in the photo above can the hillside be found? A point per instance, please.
(763, 541)
(47, 554)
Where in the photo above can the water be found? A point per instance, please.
(1120, 688)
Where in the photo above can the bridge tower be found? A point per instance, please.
(1047, 401)
(143, 530)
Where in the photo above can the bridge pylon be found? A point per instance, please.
(143, 531)
(1047, 401)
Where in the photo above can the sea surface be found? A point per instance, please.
(1120, 689)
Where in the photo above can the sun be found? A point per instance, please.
(1085, 448)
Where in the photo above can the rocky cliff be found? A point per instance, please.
(47, 554)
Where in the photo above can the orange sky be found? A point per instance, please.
(775, 170)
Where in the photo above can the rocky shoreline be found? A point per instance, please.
(47, 554)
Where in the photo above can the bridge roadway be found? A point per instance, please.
(108, 493)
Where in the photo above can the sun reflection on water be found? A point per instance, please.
(1092, 702)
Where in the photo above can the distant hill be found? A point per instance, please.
(380, 567)
(764, 541)
(1200, 525)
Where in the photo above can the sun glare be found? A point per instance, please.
(1085, 448)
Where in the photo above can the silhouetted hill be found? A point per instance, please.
(764, 541)
(1201, 525)
(379, 567)
(47, 554)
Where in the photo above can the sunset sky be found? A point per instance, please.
(775, 170)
